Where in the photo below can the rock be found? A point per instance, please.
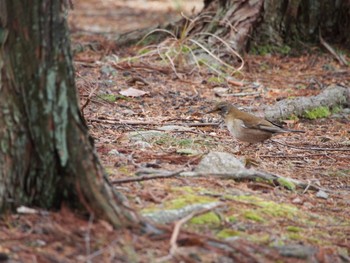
(220, 91)
(297, 251)
(219, 162)
(114, 152)
(297, 200)
(322, 194)
(108, 70)
(142, 144)
(26, 210)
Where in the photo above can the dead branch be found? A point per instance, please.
(88, 99)
(248, 174)
(146, 177)
(312, 148)
(178, 224)
(331, 96)
(331, 50)
(142, 123)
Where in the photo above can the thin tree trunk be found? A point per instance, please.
(46, 154)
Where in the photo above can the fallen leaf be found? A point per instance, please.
(131, 92)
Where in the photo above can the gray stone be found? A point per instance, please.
(219, 162)
(322, 194)
(143, 144)
(297, 251)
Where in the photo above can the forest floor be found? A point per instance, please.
(255, 216)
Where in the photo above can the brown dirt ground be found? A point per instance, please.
(65, 237)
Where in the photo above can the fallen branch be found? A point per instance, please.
(331, 96)
(125, 122)
(88, 99)
(340, 58)
(146, 177)
(178, 224)
(312, 148)
(248, 174)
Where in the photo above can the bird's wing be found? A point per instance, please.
(262, 124)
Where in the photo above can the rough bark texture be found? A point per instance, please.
(46, 154)
(281, 21)
(231, 20)
(301, 20)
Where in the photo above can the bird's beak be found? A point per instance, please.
(212, 111)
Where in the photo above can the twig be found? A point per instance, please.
(248, 174)
(88, 100)
(176, 231)
(240, 94)
(145, 177)
(295, 156)
(340, 59)
(312, 148)
(178, 224)
(135, 79)
(88, 239)
(307, 187)
(121, 122)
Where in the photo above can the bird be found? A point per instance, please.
(247, 127)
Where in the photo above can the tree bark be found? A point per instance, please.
(276, 22)
(46, 154)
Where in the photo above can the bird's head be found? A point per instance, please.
(221, 108)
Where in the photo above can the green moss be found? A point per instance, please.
(293, 229)
(185, 142)
(109, 170)
(108, 97)
(260, 238)
(270, 49)
(163, 139)
(278, 210)
(216, 80)
(144, 51)
(253, 216)
(208, 218)
(188, 189)
(188, 199)
(286, 183)
(227, 233)
(293, 117)
(295, 236)
(336, 109)
(125, 170)
(231, 219)
(319, 112)
(249, 198)
(267, 208)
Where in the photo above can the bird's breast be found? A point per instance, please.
(243, 133)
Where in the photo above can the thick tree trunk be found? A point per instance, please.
(46, 154)
(232, 21)
(275, 22)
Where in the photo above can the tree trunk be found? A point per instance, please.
(275, 22)
(46, 154)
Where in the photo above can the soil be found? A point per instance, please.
(165, 97)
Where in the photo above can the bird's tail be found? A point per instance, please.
(288, 130)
